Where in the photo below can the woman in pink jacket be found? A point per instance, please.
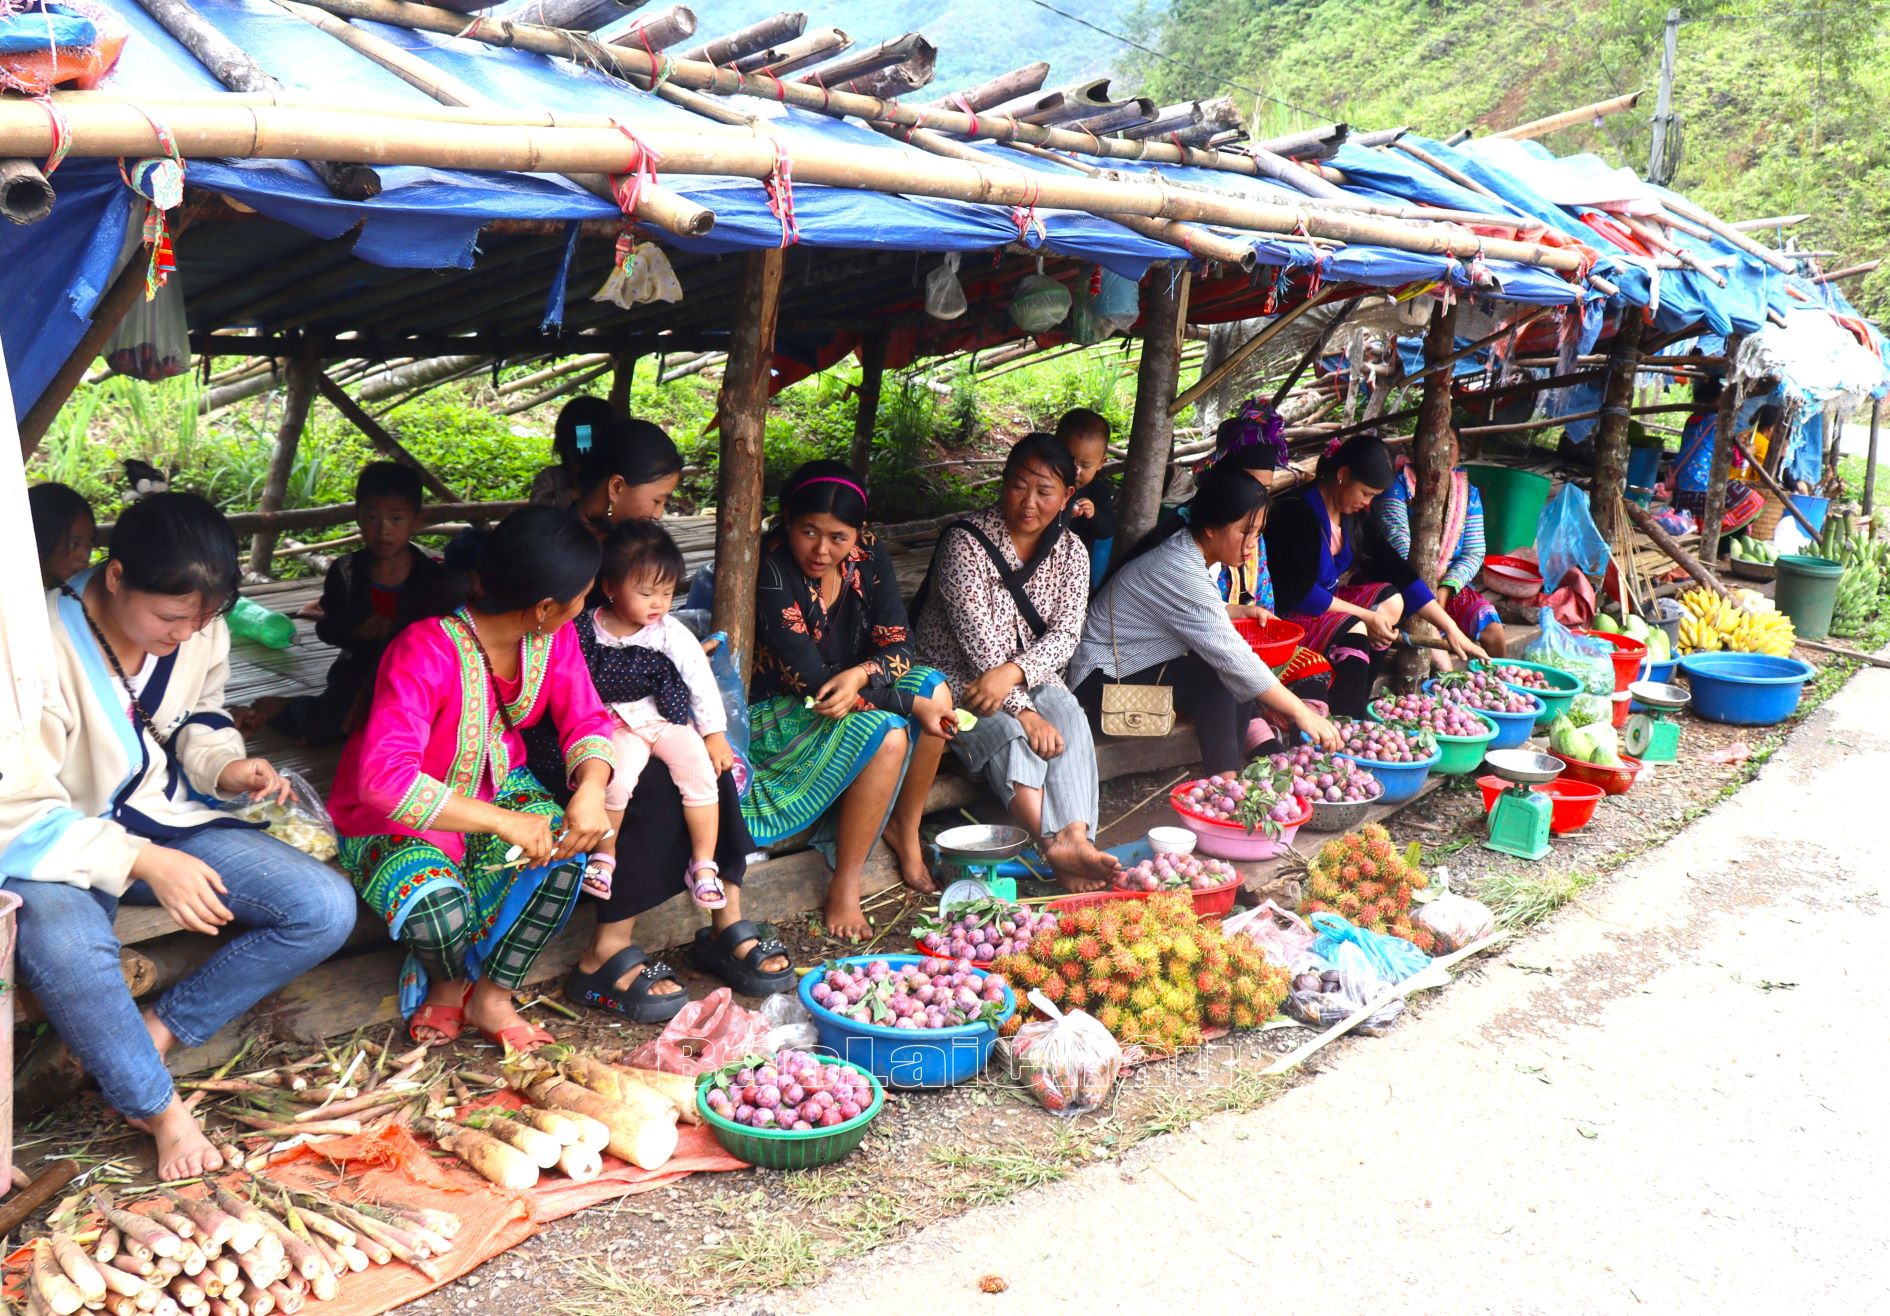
(447, 835)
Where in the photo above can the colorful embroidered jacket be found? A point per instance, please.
(800, 646)
(432, 728)
(99, 788)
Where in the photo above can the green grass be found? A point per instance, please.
(1522, 897)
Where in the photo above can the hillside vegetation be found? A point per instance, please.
(1780, 100)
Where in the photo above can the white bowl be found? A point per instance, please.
(1171, 840)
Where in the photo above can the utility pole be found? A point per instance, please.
(1659, 168)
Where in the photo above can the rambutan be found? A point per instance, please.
(1052, 989)
(1102, 969)
(1380, 852)
(1219, 1013)
(1088, 947)
(1128, 968)
(1032, 975)
(1071, 969)
(1076, 997)
(1043, 946)
(1348, 903)
(1331, 854)
(1375, 832)
(1012, 1024)
(1085, 920)
(1145, 949)
(1185, 949)
(1315, 907)
(1145, 996)
(1116, 991)
(1246, 1017)
(1111, 1017)
(1369, 892)
(1178, 1000)
(1208, 984)
(1367, 869)
(1424, 940)
(1367, 916)
(1246, 989)
(1064, 948)
(1349, 875)
(1416, 880)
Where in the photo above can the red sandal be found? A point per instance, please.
(519, 1037)
(449, 1021)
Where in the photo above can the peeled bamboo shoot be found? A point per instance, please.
(79, 1268)
(216, 1227)
(493, 1160)
(540, 1146)
(122, 1282)
(61, 1296)
(642, 1136)
(579, 1163)
(559, 1125)
(680, 1090)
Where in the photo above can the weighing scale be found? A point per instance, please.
(976, 850)
(1652, 735)
(1519, 821)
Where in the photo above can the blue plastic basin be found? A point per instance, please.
(1400, 780)
(1512, 729)
(905, 1057)
(1744, 689)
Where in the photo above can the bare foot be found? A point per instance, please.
(253, 717)
(490, 1010)
(182, 1150)
(1073, 865)
(912, 869)
(846, 920)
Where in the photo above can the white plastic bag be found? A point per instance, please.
(1455, 921)
(303, 822)
(792, 1026)
(1322, 994)
(1281, 935)
(153, 341)
(1068, 1061)
(649, 277)
(944, 297)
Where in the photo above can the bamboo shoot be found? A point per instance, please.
(641, 1136)
(540, 1146)
(678, 1089)
(579, 1163)
(559, 1125)
(492, 1160)
(60, 1295)
(215, 1226)
(79, 1268)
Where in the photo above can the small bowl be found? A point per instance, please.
(1511, 577)
(1231, 840)
(1171, 840)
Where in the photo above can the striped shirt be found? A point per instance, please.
(1159, 607)
(1393, 510)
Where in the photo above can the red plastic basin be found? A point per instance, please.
(1514, 577)
(1615, 781)
(1273, 640)
(1573, 807)
(1629, 654)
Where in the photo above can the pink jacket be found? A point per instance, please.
(432, 730)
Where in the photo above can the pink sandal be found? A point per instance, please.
(707, 889)
(597, 879)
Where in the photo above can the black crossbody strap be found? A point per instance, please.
(1012, 580)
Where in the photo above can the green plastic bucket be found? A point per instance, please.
(1807, 592)
(1512, 503)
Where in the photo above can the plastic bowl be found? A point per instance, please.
(1554, 701)
(1744, 689)
(1512, 729)
(1345, 815)
(1171, 840)
(1629, 654)
(1402, 781)
(1615, 781)
(1661, 672)
(1573, 801)
(1511, 577)
(1456, 755)
(1273, 640)
(905, 1057)
(1231, 840)
(785, 1149)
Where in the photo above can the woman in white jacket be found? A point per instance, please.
(131, 744)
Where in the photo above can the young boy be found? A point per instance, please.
(368, 596)
(1092, 511)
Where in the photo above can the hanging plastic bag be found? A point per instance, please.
(1086, 327)
(153, 341)
(646, 277)
(1454, 921)
(1321, 994)
(1118, 303)
(728, 680)
(303, 822)
(944, 297)
(1566, 538)
(1582, 656)
(1392, 959)
(1040, 305)
(1069, 1062)
(1281, 935)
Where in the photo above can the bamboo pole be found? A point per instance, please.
(1449, 171)
(655, 204)
(1721, 470)
(237, 70)
(1772, 482)
(623, 377)
(1870, 457)
(1550, 422)
(1432, 460)
(1679, 205)
(741, 415)
(901, 79)
(377, 434)
(1234, 358)
(653, 31)
(747, 40)
(842, 74)
(866, 415)
(802, 52)
(1611, 435)
(304, 372)
(270, 132)
(1151, 431)
(1848, 272)
(25, 195)
(1522, 321)
(1312, 144)
(568, 366)
(124, 293)
(1004, 87)
(1313, 353)
(1770, 221)
(1570, 118)
(1646, 233)
(333, 514)
(568, 385)
(571, 15)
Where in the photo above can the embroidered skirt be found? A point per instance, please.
(1321, 629)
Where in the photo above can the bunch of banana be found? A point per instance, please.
(1871, 557)
(1768, 632)
(1713, 622)
(1857, 595)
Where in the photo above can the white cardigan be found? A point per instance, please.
(100, 788)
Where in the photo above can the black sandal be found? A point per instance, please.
(637, 1002)
(714, 952)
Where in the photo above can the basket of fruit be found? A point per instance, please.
(1462, 733)
(1513, 711)
(980, 930)
(1754, 559)
(794, 1112)
(1341, 791)
(1238, 817)
(910, 1021)
(1212, 882)
(1272, 640)
(1399, 757)
(1552, 687)
(1616, 778)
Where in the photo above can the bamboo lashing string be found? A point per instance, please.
(628, 187)
(780, 188)
(165, 179)
(61, 136)
(659, 62)
(1025, 216)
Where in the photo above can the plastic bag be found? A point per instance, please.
(728, 680)
(793, 1027)
(1040, 304)
(1391, 959)
(1069, 1062)
(303, 822)
(1582, 656)
(1566, 538)
(646, 277)
(152, 341)
(944, 297)
(705, 1034)
(1281, 935)
(1455, 921)
(1341, 993)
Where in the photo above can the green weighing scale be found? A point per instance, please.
(1652, 735)
(1519, 821)
(974, 851)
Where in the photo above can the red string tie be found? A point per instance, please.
(780, 186)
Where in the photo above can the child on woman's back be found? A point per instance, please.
(682, 720)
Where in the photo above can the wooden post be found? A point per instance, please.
(304, 371)
(623, 374)
(1431, 459)
(1722, 457)
(866, 418)
(379, 437)
(112, 308)
(1152, 432)
(1611, 435)
(1870, 457)
(742, 414)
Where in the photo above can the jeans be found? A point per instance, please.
(291, 913)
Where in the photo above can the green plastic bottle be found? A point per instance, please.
(249, 620)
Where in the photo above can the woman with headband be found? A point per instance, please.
(846, 730)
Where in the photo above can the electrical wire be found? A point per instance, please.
(1180, 63)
